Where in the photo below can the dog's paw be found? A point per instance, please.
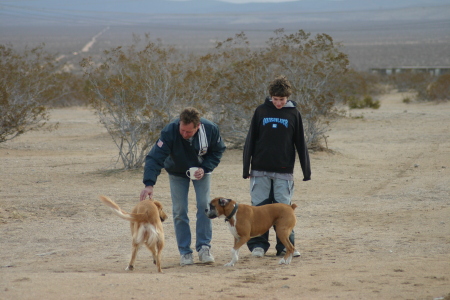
(129, 268)
(288, 261)
(230, 264)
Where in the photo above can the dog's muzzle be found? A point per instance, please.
(211, 213)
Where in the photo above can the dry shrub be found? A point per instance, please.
(426, 86)
(407, 81)
(70, 90)
(366, 102)
(137, 91)
(439, 90)
(356, 85)
(241, 76)
(25, 80)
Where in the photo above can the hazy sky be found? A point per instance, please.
(141, 11)
(253, 1)
(249, 1)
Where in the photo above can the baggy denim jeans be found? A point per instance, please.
(265, 190)
(179, 190)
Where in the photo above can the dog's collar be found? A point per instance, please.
(232, 213)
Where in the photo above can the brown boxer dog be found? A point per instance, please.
(246, 221)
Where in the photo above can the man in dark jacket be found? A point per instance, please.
(275, 135)
(188, 141)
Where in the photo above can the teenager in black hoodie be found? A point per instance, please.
(275, 135)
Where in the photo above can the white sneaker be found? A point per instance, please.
(258, 252)
(186, 259)
(204, 255)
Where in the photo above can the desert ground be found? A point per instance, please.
(373, 223)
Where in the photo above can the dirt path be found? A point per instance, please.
(374, 222)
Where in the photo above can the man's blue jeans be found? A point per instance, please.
(179, 190)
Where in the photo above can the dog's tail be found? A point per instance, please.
(116, 209)
(294, 206)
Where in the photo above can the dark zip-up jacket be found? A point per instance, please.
(175, 154)
(273, 137)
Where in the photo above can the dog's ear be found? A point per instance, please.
(223, 201)
(162, 214)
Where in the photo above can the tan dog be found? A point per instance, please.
(146, 227)
(247, 221)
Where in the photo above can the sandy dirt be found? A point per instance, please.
(373, 223)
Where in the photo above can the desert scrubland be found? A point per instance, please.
(373, 223)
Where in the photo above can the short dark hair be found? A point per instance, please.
(280, 87)
(190, 115)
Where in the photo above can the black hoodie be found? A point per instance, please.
(272, 139)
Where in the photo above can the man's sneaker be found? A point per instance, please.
(258, 252)
(295, 254)
(186, 259)
(204, 255)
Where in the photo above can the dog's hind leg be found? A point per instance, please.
(159, 247)
(156, 254)
(137, 233)
(157, 261)
(287, 258)
(133, 257)
(155, 243)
